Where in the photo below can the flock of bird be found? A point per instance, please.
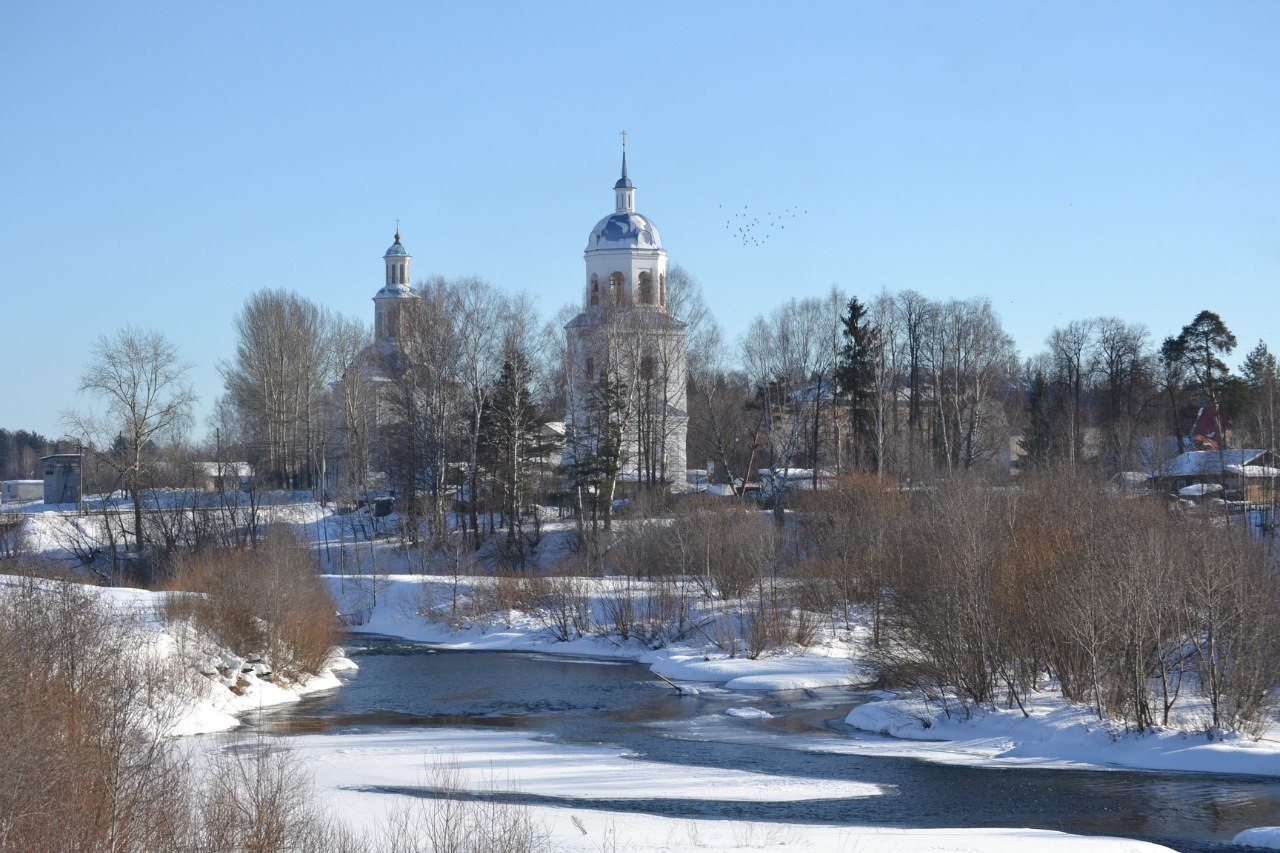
(752, 230)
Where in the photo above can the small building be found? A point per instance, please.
(223, 476)
(18, 491)
(1244, 475)
(61, 478)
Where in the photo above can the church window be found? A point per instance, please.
(646, 368)
(591, 368)
(615, 288)
(595, 289)
(646, 288)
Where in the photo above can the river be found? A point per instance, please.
(615, 702)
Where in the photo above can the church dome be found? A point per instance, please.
(624, 230)
(396, 250)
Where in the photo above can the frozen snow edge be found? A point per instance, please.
(1264, 837)
(1056, 735)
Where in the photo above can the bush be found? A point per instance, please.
(267, 601)
(82, 715)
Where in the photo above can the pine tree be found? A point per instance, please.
(1202, 344)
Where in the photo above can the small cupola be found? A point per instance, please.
(624, 190)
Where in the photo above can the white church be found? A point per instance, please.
(625, 333)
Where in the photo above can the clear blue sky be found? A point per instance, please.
(160, 162)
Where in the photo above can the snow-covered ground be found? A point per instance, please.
(1056, 734)
(209, 687)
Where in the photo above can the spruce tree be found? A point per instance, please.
(855, 375)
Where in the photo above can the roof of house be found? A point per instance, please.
(1207, 463)
(225, 469)
(1263, 471)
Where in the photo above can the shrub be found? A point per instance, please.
(268, 600)
(82, 712)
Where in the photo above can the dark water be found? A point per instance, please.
(407, 684)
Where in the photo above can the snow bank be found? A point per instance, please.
(827, 664)
(1265, 837)
(1056, 734)
(208, 686)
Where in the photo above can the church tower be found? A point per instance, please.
(625, 333)
(388, 303)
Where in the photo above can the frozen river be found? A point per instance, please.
(403, 684)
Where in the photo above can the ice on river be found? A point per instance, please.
(369, 774)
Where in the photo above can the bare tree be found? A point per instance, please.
(478, 310)
(969, 356)
(789, 358)
(142, 383)
(1125, 370)
(353, 401)
(278, 380)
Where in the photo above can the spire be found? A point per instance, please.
(398, 221)
(624, 155)
(624, 190)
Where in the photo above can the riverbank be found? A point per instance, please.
(199, 687)
(1053, 734)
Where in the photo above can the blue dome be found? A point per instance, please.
(396, 249)
(624, 231)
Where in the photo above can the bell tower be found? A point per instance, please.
(626, 333)
(389, 301)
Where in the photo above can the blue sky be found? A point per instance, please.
(160, 162)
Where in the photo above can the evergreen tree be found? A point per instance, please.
(509, 427)
(1201, 345)
(597, 451)
(1040, 438)
(855, 375)
(1262, 374)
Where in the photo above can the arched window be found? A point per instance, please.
(646, 368)
(595, 289)
(591, 368)
(646, 289)
(615, 288)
